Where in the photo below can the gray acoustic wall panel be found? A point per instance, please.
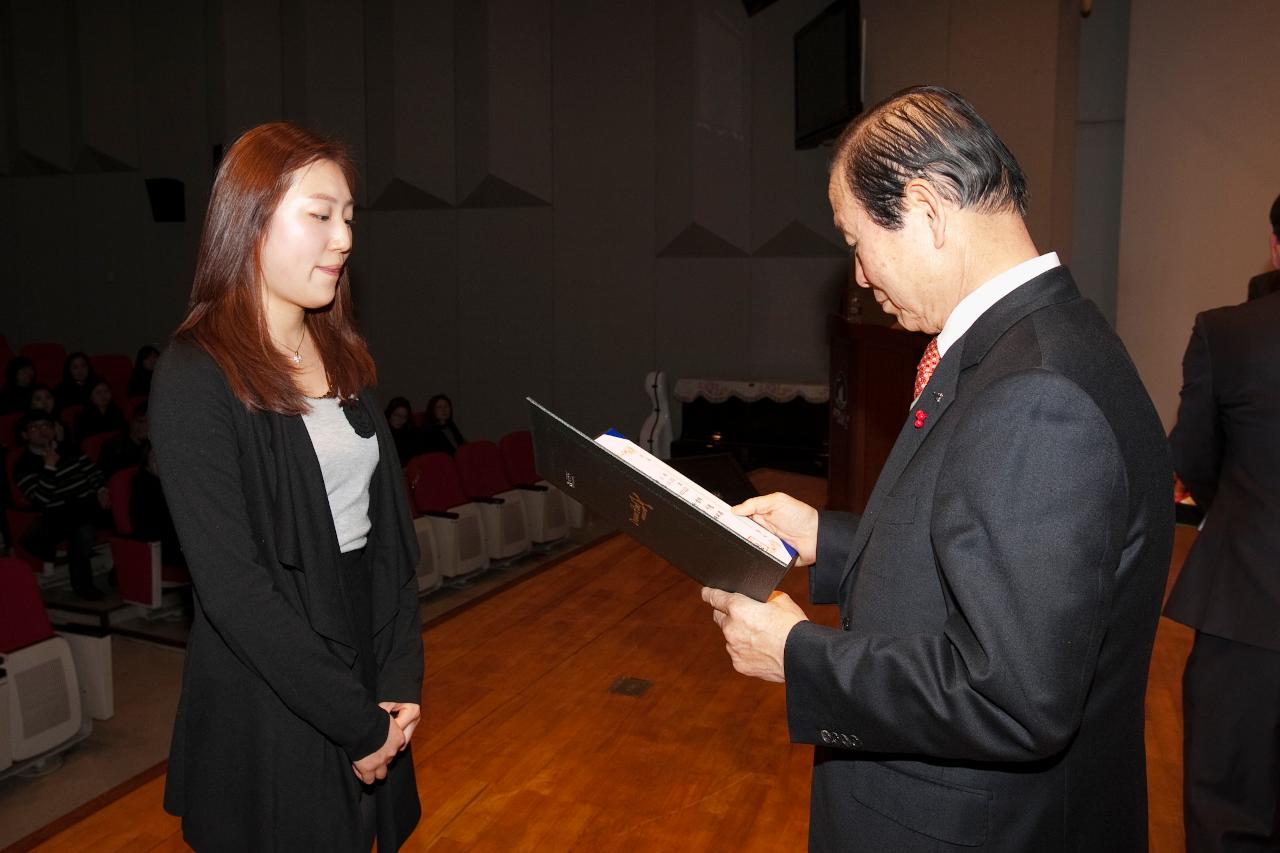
(790, 301)
(46, 89)
(604, 327)
(409, 114)
(404, 273)
(503, 50)
(506, 311)
(702, 182)
(109, 135)
(248, 64)
(332, 53)
(703, 317)
(8, 119)
(1095, 238)
(788, 218)
(39, 265)
(174, 139)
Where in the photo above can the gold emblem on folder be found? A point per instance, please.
(639, 509)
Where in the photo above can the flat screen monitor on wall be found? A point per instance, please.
(828, 71)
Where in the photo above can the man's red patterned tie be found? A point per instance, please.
(928, 362)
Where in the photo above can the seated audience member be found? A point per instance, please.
(42, 398)
(440, 432)
(149, 514)
(70, 495)
(143, 365)
(19, 382)
(129, 448)
(406, 434)
(77, 383)
(100, 414)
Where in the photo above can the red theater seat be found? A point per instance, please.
(502, 507)
(23, 620)
(49, 357)
(92, 445)
(9, 437)
(116, 368)
(140, 573)
(548, 512)
(450, 531)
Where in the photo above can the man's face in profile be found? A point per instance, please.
(894, 265)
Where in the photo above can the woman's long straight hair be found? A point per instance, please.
(227, 316)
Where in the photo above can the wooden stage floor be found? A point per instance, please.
(524, 747)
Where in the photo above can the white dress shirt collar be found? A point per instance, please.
(989, 293)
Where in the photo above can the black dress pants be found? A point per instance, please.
(74, 523)
(1231, 747)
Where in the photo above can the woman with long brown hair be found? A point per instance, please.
(304, 665)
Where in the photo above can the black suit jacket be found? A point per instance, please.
(1264, 284)
(273, 708)
(1226, 452)
(999, 599)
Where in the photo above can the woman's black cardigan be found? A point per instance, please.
(273, 710)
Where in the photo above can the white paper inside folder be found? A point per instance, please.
(696, 496)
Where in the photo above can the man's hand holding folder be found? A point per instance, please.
(792, 521)
(755, 632)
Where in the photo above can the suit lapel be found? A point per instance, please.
(1048, 288)
(934, 400)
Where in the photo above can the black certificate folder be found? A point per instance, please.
(668, 513)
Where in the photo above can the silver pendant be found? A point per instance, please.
(296, 358)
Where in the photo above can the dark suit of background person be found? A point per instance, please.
(1269, 282)
(1264, 283)
(277, 684)
(1225, 449)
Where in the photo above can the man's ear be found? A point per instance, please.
(1275, 250)
(920, 197)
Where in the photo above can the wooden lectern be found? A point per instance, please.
(872, 371)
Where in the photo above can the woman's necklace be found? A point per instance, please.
(296, 358)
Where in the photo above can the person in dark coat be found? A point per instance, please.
(407, 436)
(129, 448)
(303, 676)
(100, 415)
(78, 379)
(1225, 451)
(149, 514)
(42, 399)
(441, 434)
(19, 384)
(143, 366)
(70, 494)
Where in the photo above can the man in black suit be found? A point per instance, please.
(1225, 451)
(999, 596)
(1269, 282)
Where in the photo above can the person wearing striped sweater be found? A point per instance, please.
(70, 494)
